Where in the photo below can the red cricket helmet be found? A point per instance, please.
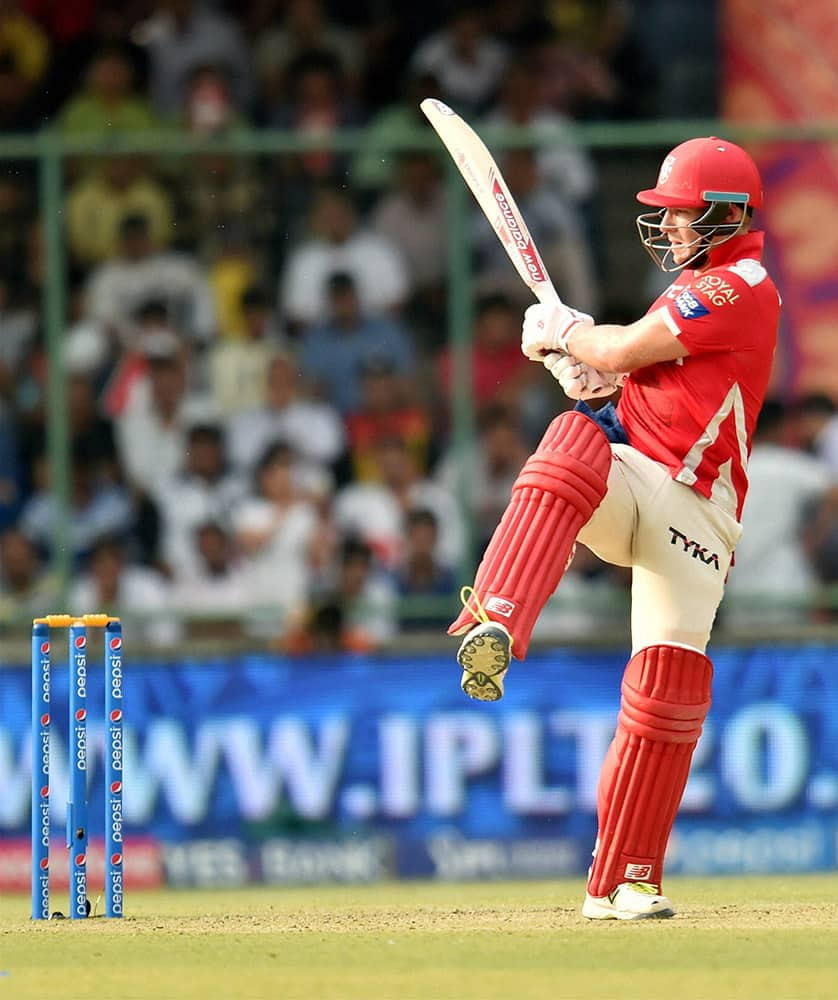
(701, 171)
(708, 173)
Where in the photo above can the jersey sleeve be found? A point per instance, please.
(718, 311)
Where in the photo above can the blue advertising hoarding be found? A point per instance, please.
(267, 768)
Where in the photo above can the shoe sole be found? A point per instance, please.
(484, 658)
(597, 912)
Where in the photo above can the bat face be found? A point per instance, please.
(514, 235)
(481, 173)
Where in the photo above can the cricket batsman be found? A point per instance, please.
(657, 484)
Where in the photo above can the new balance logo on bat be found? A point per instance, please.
(694, 549)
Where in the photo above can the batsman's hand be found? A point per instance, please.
(547, 327)
(579, 380)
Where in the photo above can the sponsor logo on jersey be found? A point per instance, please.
(694, 549)
(689, 306)
(717, 290)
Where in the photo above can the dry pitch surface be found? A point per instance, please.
(734, 939)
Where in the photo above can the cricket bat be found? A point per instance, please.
(481, 173)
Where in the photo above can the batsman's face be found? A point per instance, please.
(676, 224)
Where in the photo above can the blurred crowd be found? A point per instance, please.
(256, 351)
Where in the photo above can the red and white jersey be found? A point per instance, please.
(697, 414)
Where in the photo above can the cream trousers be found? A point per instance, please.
(677, 543)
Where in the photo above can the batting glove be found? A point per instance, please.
(547, 327)
(580, 380)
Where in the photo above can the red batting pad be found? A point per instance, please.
(554, 496)
(665, 699)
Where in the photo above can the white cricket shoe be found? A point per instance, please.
(484, 655)
(629, 901)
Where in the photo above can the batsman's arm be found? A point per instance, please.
(614, 348)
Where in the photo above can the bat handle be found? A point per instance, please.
(546, 294)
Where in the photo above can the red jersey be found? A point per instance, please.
(697, 414)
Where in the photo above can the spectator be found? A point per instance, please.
(18, 328)
(214, 583)
(815, 430)
(334, 352)
(18, 207)
(338, 244)
(100, 202)
(150, 333)
(276, 530)
(468, 62)
(376, 512)
(488, 471)
(632, 50)
(97, 507)
(221, 198)
(593, 603)
(205, 490)
(772, 578)
(225, 219)
(139, 595)
(151, 427)
(356, 614)
(234, 265)
(820, 538)
(500, 372)
(238, 364)
(816, 427)
(311, 427)
(421, 575)
(26, 588)
(91, 433)
(388, 407)
(72, 30)
(141, 273)
(24, 60)
(590, 64)
(564, 165)
(181, 35)
(107, 102)
(375, 166)
(90, 351)
(413, 217)
(366, 600)
(208, 103)
(305, 27)
(11, 473)
(316, 104)
(320, 630)
(556, 229)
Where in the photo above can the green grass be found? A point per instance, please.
(734, 939)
